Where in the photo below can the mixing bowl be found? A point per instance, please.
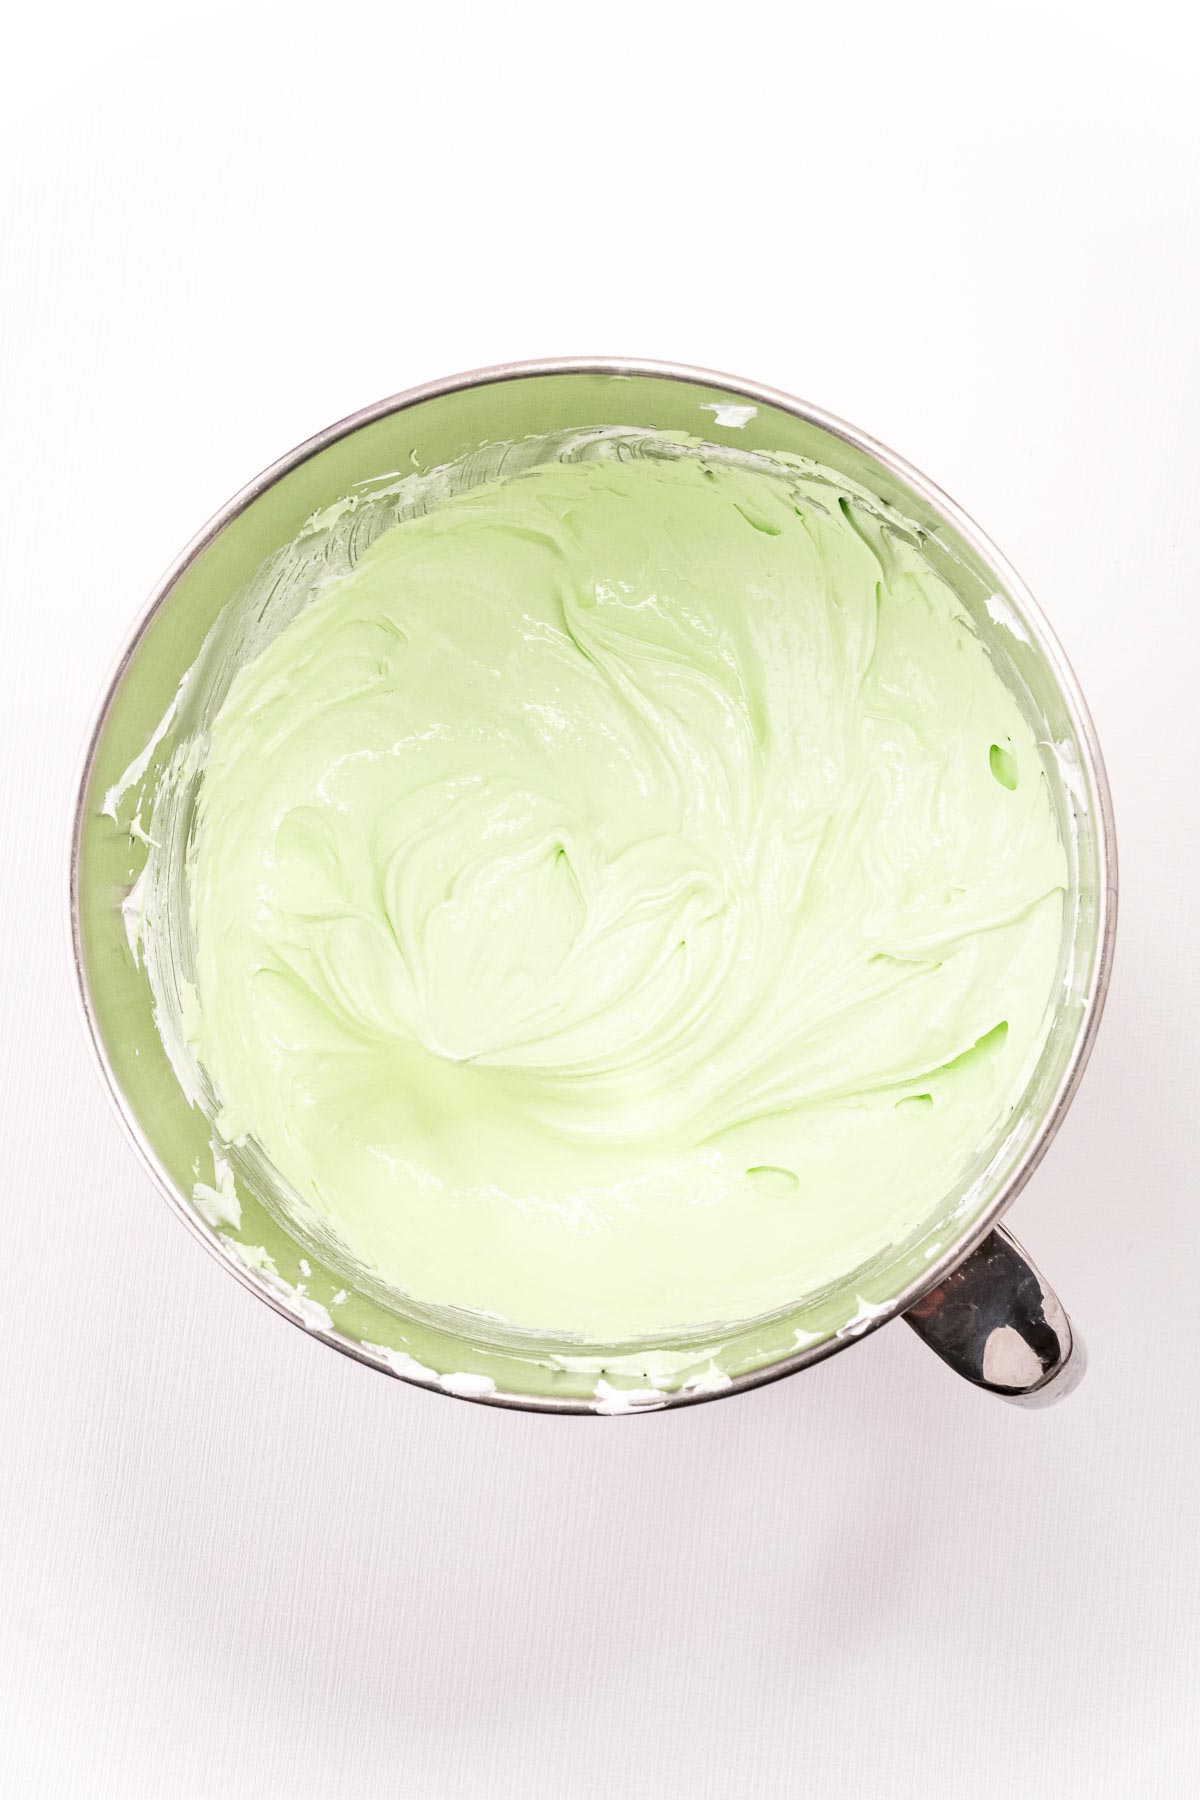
(960, 1280)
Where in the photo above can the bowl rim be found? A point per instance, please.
(949, 512)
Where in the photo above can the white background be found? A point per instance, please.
(233, 1564)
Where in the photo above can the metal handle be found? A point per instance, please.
(998, 1323)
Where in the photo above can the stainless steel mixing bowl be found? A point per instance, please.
(961, 1281)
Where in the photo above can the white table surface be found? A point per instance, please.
(233, 1564)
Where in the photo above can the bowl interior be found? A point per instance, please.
(418, 433)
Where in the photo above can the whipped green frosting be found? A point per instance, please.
(628, 900)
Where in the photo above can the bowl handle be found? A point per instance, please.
(996, 1321)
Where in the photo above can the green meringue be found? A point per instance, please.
(628, 900)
